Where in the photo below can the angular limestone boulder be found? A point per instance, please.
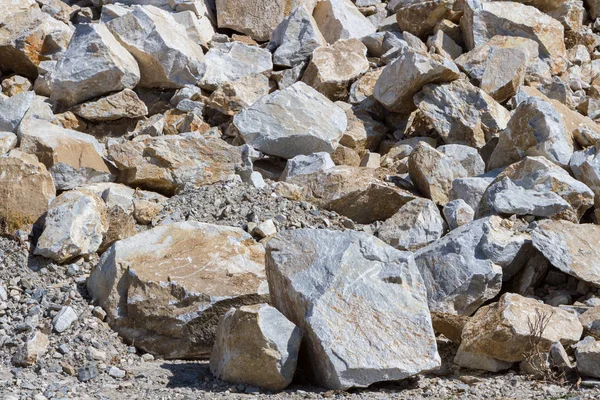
(570, 247)
(295, 38)
(167, 58)
(26, 190)
(340, 19)
(415, 225)
(586, 168)
(94, 64)
(458, 213)
(464, 269)
(360, 303)
(535, 129)
(502, 330)
(302, 165)
(296, 120)
(419, 17)
(333, 68)
(165, 289)
(256, 18)
(232, 97)
(75, 225)
(363, 131)
(587, 355)
(256, 345)
(470, 189)
(407, 75)
(230, 62)
(13, 110)
(166, 163)
(124, 104)
(462, 113)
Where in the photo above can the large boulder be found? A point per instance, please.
(465, 268)
(75, 225)
(340, 19)
(462, 113)
(407, 75)
(419, 17)
(26, 190)
(296, 120)
(167, 58)
(256, 345)
(166, 163)
(165, 289)
(360, 303)
(94, 64)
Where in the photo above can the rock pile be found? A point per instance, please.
(320, 190)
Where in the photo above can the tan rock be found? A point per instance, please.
(124, 104)
(333, 68)
(165, 289)
(15, 84)
(363, 132)
(8, 141)
(364, 86)
(33, 350)
(420, 17)
(166, 163)
(449, 325)
(26, 189)
(345, 156)
(232, 97)
(503, 330)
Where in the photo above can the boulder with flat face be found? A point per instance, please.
(360, 303)
(296, 120)
(341, 19)
(124, 104)
(94, 64)
(165, 289)
(256, 18)
(419, 17)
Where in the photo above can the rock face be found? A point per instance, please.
(465, 268)
(372, 294)
(256, 345)
(420, 17)
(75, 225)
(461, 113)
(255, 18)
(26, 189)
(535, 129)
(407, 75)
(502, 330)
(587, 354)
(166, 163)
(165, 55)
(93, 65)
(333, 68)
(13, 109)
(232, 97)
(570, 247)
(295, 38)
(297, 120)
(166, 288)
(340, 19)
(125, 104)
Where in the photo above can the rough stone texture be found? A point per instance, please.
(26, 189)
(302, 165)
(33, 350)
(462, 113)
(587, 354)
(232, 97)
(295, 38)
(75, 225)
(13, 109)
(535, 129)
(363, 131)
(125, 104)
(166, 163)
(256, 345)
(165, 55)
(467, 157)
(93, 65)
(499, 66)
(443, 45)
(464, 269)
(572, 248)
(458, 213)
(73, 158)
(364, 86)
(333, 68)
(256, 18)
(167, 288)
(297, 120)
(415, 225)
(419, 17)
(8, 141)
(470, 190)
(484, 20)
(349, 292)
(585, 165)
(229, 62)
(407, 75)
(340, 19)
(501, 330)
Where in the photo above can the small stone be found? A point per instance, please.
(266, 229)
(99, 313)
(458, 213)
(116, 372)
(88, 372)
(63, 320)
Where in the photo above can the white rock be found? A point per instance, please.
(309, 164)
(63, 319)
(13, 109)
(340, 19)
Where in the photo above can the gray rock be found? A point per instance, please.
(466, 156)
(415, 225)
(87, 372)
(419, 17)
(297, 120)
(585, 165)
(13, 109)
(470, 189)
(300, 165)
(587, 354)
(360, 303)
(458, 213)
(93, 65)
(32, 350)
(256, 345)
(229, 62)
(63, 319)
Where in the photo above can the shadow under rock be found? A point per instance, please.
(189, 375)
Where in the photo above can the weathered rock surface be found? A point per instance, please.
(33, 350)
(166, 163)
(167, 288)
(8, 141)
(420, 17)
(407, 75)
(13, 109)
(125, 104)
(363, 131)
(340, 19)
(587, 354)
(372, 294)
(93, 65)
(232, 97)
(302, 165)
(75, 225)
(255, 18)
(256, 345)
(297, 120)
(458, 213)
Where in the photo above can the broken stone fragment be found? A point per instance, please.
(340, 19)
(124, 104)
